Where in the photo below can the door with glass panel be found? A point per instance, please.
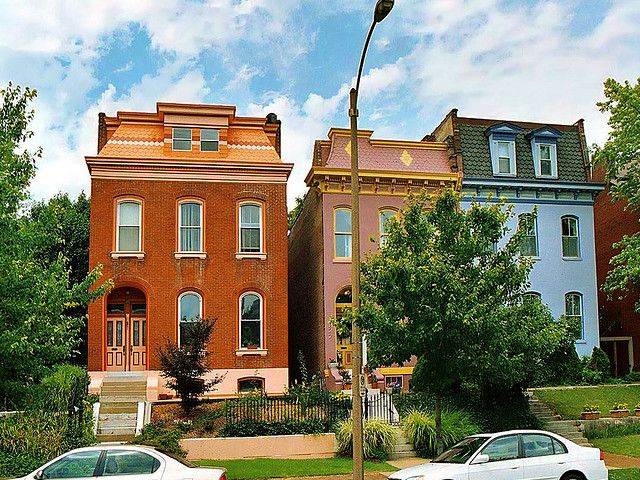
(126, 330)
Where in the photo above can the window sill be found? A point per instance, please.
(513, 175)
(200, 255)
(547, 177)
(244, 255)
(258, 352)
(341, 260)
(581, 342)
(138, 255)
(572, 259)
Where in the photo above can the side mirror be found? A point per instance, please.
(482, 458)
(38, 475)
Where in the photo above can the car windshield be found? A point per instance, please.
(462, 451)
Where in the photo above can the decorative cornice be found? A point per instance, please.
(135, 142)
(251, 147)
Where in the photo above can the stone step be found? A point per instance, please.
(113, 430)
(397, 455)
(109, 416)
(102, 438)
(119, 407)
(123, 389)
(117, 422)
(121, 398)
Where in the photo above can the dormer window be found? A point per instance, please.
(181, 139)
(544, 150)
(209, 140)
(502, 145)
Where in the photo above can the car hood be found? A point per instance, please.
(429, 471)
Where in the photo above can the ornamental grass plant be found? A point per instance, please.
(379, 439)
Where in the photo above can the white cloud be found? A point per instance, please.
(243, 76)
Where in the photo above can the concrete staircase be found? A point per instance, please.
(403, 448)
(569, 429)
(119, 399)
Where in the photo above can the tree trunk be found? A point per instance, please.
(438, 415)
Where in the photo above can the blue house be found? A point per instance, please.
(547, 167)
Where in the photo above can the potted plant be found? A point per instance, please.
(590, 412)
(619, 410)
(346, 378)
(333, 363)
(373, 380)
(637, 409)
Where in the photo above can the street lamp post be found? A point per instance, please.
(382, 9)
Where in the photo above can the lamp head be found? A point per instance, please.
(383, 7)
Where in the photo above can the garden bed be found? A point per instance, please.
(569, 402)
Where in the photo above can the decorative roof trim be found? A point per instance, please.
(493, 182)
(251, 147)
(547, 131)
(503, 128)
(135, 142)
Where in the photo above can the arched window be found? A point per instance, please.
(384, 216)
(248, 385)
(129, 220)
(190, 226)
(529, 245)
(570, 237)
(189, 311)
(531, 296)
(573, 309)
(250, 228)
(251, 321)
(344, 348)
(342, 232)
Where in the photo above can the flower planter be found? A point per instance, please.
(619, 413)
(347, 386)
(590, 415)
(637, 410)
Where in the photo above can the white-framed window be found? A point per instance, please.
(573, 309)
(209, 140)
(189, 312)
(532, 296)
(547, 165)
(181, 139)
(342, 232)
(129, 230)
(384, 215)
(504, 157)
(394, 382)
(251, 317)
(190, 226)
(529, 245)
(250, 227)
(570, 237)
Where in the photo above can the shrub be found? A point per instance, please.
(158, 435)
(258, 428)
(595, 368)
(184, 366)
(633, 377)
(209, 421)
(610, 430)
(420, 429)
(379, 439)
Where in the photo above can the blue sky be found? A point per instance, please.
(511, 59)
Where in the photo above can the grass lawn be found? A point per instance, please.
(629, 445)
(568, 402)
(274, 468)
(624, 474)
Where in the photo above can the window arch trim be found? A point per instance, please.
(345, 233)
(179, 251)
(261, 225)
(261, 345)
(578, 249)
(179, 308)
(119, 201)
(253, 378)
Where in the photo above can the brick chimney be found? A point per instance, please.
(272, 118)
(102, 130)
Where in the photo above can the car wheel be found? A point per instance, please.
(573, 476)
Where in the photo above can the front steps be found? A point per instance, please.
(569, 429)
(403, 448)
(119, 399)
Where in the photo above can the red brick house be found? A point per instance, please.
(189, 218)
(619, 322)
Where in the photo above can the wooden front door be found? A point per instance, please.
(126, 330)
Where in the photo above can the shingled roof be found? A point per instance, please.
(477, 158)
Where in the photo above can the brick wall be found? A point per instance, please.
(612, 222)
(306, 328)
(220, 278)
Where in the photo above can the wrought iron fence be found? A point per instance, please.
(327, 408)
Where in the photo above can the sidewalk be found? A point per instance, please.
(613, 460)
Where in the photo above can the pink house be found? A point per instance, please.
(320, 239)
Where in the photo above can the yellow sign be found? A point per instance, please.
(406, 158)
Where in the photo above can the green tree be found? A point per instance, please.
(438, 290)
(185, 365)
(294, 212)
(620, 159)
(36, 294)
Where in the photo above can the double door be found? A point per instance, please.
(126, 343)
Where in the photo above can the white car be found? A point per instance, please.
(129, 462)
(512, 455)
